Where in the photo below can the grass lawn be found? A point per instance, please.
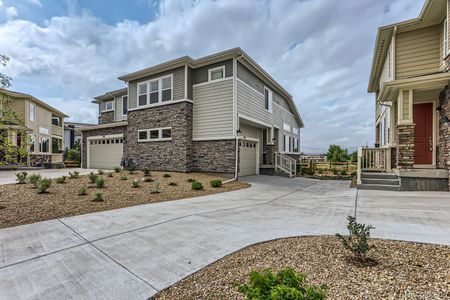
(405, 270)
(21, 204)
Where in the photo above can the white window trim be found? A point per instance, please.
(106, 102)
(32, 117)
(285, 126)
(215, 69)
(41, 139)
(159, 139)
(57, 118)
(270, 108)
(128, 106)
(445, 39)
(160, 90)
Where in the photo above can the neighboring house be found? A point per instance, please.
(220, 113)
(410, 78)
(72, 133)
(44, 126)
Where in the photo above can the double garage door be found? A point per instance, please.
(247, 158)
(105, 153)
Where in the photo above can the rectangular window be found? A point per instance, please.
(155, 91)
(43, 145)
(216, 73)
(124, 105)
(445, 39)
(55, 121)
(268, 99)
(32, 142)
(32, 112)
(109, 106)
(286, 143)
(166, 93)
(142, 94)
(155, 134)
(287, 127)
(295, 145)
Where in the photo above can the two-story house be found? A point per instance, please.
(43, 126)
(410, 78)
(220, 113)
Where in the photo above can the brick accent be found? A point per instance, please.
(214, 156)
(106, 117)
(269, 154)
(97, 132)
(405, 146)
(173, 155)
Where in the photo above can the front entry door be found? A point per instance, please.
(423, 133)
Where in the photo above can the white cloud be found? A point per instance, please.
(319, 50)
(11, 12)
(36, 2)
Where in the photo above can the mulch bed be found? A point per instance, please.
(404, 270)
(21, 204)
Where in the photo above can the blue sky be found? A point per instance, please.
(66, 52)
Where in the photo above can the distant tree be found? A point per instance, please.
(354, 156)
(10, 151)
(337, 154)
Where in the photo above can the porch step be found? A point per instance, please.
(381, 181)
(374, 175)
(379, 187)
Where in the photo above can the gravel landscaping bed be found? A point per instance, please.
(405, 270)
(21, 204)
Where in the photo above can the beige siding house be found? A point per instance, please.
(220, 113)
(410, 78)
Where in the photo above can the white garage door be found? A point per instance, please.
(105, 153)
(247, 158)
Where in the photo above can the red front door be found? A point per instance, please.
(423, 133)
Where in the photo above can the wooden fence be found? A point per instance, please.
(314, 166)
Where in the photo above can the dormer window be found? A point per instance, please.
(216, 73)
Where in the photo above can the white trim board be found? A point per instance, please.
(211, 82)
(161, 104)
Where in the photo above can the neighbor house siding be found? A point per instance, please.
(213, 109)
(178, 85)
(418, 52)
(200, 75)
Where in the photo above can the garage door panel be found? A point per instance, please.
(105, 153)
(247, 158)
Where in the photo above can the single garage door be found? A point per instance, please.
(105, 153)
(247, 158)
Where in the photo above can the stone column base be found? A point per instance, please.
(405, 146)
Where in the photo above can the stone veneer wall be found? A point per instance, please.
(405, 146)
(444, 130)
(214, 156)
(173, 155)
(106, 117)
(38, 160)
(98, 132)
(270, 154)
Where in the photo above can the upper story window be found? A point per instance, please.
(32, 112)
(268, 99)
(109, 105)
(155, 91)
(445, 39)
(216, 73)
(124, 105)
(155, 134)
(55, 121)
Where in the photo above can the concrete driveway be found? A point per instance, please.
(7, 177)
(134, 252)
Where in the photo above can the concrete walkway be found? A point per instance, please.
(7, 177)
(132, 253)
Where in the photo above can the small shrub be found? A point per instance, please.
(100, 172)
(33, 179)
(191, 180)
(82, 190)
(123, 177)
(357, 240)
(216, 183)
(74, 174)
(136, 183)
(98, 197)
(343, 172)
(286, 284)
(173, 183)
(21, 177)
(319, 171)
(92, 177)
(146, 172)
(61, 179)
(100, 183)
(353, 174)
(335, 171)
(167, 175)
(117, 169)
(110, 174)
(148, 180)
(155, 189)
(197, 186)
(43, 184)
(131, 169)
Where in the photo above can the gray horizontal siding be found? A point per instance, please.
(200, 75)
(189, 83)
(178, 85)
(119, 109)
(213, 110)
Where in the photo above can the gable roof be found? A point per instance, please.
(210, 59)
(430, 14)
(111, 94)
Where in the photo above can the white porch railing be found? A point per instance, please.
(286, 164)
(373, 160)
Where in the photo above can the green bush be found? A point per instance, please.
(73, 154)
(74, 175)
(110, 174)
(61, 179)
(173, 183)
(197, 186)
(286, 284)
(43, 184)
(117, 169)
(191, 180)
(357, 241)
(343, 172)
(148, 180)
(216, 183)
(335, 171)
(82, 190)
(92, 177)
(146, 172)
(319, 171)
(167, 175)
(123, 177)
(98, 197)
(100, 183)
(33, 179)
(21, 177)
(136, 183)
(100, 172)
(353, 174)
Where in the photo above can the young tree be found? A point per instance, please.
(354, 156)
(337, 154)
(11, 152)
